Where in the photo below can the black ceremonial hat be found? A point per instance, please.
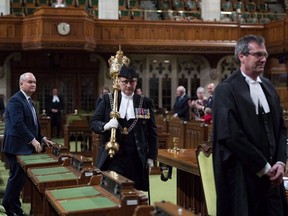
(128, 72)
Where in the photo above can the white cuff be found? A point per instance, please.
(264, 171)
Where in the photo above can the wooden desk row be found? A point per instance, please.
(72, 186)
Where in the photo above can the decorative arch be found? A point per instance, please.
(5, 79)
(225, 67)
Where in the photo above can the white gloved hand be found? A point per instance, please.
(113, 123)
(150, 164)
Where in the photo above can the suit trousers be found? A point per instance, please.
(15, 183)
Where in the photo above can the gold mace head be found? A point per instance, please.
(116, 62)
(112, 148)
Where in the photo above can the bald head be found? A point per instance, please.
(180, 91)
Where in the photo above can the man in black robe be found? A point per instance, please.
(136, 131)
(249, 138)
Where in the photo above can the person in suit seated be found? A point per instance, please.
(181, 106)
(59, 4)
(136, 131)
(22, 136)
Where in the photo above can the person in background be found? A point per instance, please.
(181, 107)
(22, 136)
(249, 138)
(197, 106)
(105, 90)
(59, 4)
(210, 89)
(54, 107)
(139, 91)
(136, 131)
(2, 108)
(207, 118)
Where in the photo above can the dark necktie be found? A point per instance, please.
(33, 112)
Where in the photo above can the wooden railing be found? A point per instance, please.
(39, 31)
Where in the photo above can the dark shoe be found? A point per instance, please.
(20, 212)
(8, 209)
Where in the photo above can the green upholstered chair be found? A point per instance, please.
(264, 20)
(263, 7)
(205, 164)
(239, 5)
(124, 14)
(178, 5)
(227, 6)
(94, 3)
(138, 14)
(251, 7)
(43, 2)
(191, 5)
(133, 4)
(122, 4)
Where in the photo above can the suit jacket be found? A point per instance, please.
(145, 131)
(181, 107)
(237, 150)
(20, 128)
(209, 101)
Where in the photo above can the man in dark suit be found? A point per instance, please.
(22, 136)
(181, 106)
(210, 90)
(249, 138)
(54, 106)
(136, 131)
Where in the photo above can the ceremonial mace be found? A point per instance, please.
(115, 62)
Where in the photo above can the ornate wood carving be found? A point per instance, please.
(39, 31)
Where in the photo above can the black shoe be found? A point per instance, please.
(20, 212)
(8, 209)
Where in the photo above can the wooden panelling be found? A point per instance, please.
(195, 132)
(176, 128)
(39, 31)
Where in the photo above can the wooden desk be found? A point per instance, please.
(76, 170)
(114, 195)
(51, 157)
(190, 193)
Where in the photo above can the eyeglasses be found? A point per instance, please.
(258, 55)
(125, 82)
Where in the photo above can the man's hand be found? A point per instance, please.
(276, 174)
(113, 123)
(49, 143)
(37, 145)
